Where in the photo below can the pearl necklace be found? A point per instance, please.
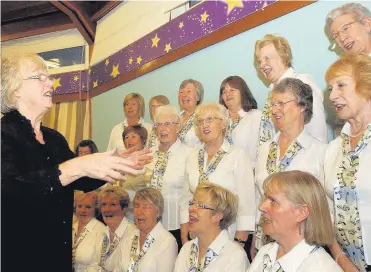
(355, 136)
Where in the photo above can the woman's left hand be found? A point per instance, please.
(140, 158)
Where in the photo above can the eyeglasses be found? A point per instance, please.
(200, 206)
(41, 77)
(343, 30)
(166, 124)
(207, 120)
(280, 104)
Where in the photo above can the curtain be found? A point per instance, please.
(71, 119)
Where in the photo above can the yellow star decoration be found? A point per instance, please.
(95, 83)
(233, 4)
(76, 78)
(155, 41)
(181, 24)
(167, 47)
(57, 83)
(204, 17)
(139, 60)
(130, 60)
(115, 71)
(107, 62)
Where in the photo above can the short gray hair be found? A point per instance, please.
(121, 194)
(357, 9)
(302, 92)
(198, 86)
(166, 110)
(151, 195)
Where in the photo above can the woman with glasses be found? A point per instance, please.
(219, 162)
(134, 108)
(153, 249)
(168, 166)
(154, 103)
(243, 115)
(296, 215)
(212, 210)
(348, 161)
(190, 95)
(40, 172)
(350, 28)
(292, 148)
(274, 59)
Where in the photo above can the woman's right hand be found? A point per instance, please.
(106, 166)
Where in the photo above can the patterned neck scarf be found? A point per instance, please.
(266, 130)
(194, 266)
(347, 219)
(212, 165)
(151, 139)
(290, 154)
(159, 170)
(187, 126)
(134, 257)
(269, 266)
(106, 250)
(76, 243)
(231, 127)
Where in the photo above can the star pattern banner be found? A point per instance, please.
(200, 21)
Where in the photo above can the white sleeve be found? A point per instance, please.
(239, 261)
(181, 261)
(317, 126)
(246, 192)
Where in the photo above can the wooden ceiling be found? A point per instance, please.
(21, 19)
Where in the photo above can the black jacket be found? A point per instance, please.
(36, 210)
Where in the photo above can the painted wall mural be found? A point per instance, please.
(200, 21)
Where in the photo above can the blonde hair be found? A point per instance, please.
(80, 196)
(280, 43)
(301, 188)
(151, 195)
(117, 191)
(12, 79)
(215, 109)
(139, 99)
(224, 201)
(357, 66)
(161, 99)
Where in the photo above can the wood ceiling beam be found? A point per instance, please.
(104, 10)
(81, 23)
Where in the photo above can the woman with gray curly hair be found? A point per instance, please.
(350, 28)
(292, 148)
(153, 249)
(113, 203)
(211, 211)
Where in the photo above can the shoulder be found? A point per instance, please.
(306, 78)
(117, 127)
(319, 261)
(333, 147)
(187, 149)
(236, 249)
(254, 114)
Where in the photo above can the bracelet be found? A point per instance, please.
(240, 241)
(337, 256)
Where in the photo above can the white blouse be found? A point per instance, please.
(172, 183)
(234, 172)
(190, 138)
(230, 256)
(317, 126)
(116, 141)
(125, 232)
(246, 133)
(309, 159)
(160, 257)
(84, 255)
(302, 258)
(333, 158)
